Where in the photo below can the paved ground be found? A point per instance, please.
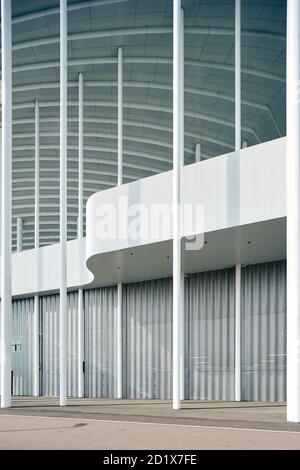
(145, 424)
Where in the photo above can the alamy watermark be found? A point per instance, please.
(150, 223)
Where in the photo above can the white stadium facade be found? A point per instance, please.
(126, 105)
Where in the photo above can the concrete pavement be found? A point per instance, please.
(145, 424)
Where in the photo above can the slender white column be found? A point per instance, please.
(6, 309)
(120, 181)
(37, 176)
(177, 160)
(237, 333)
(19, 234)
(35, 335)
(182, 343)
(293, 210)
(63, 319)
(120, 116)
(80, 155)
(182, 313)
(80, 235)
(237, 75)
(36, 359)
(181, 86)
(120, 342)
(198, 152)
(80, 343)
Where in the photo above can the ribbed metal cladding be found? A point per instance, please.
(100, 342)
(147, 310)
(147, 338)
(210, 342)
(22, 351)
(73, 344)
(264, 332)
(49, 344)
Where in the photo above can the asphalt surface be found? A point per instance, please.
(145, 424)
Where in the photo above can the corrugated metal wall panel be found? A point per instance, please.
(210, 342)
(148, 340)
(264, 332)
(147, 334)
(49, 325)
(22, 351)
(100, 342)
(49, 348)
(73, 344)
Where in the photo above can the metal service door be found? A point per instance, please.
(22, 350)
(100, 342)
(147, 308)
(264, 332)
(210, 336)
(49, 344)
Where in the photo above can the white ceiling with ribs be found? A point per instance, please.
(144, 29)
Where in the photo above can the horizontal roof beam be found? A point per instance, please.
(144, 107)
(146, 60)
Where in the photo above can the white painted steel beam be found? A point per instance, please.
(35, 331)
(182, 342)
(120, 342)
(237, 368)
(80, 235)
(80, 155)
(19, 234)
(182, 313)
(6, 306)
(237, 334)
(6, 300)
(198, 152)
(63, 307)
(120, 181)
(177, 162)
(37, 174)
(120, 116)
(237, 74)
(80, 343)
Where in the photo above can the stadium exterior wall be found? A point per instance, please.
(147, 338)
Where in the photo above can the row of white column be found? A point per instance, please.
(293, 210)
(63, 293)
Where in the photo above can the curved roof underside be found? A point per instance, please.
(144, 28)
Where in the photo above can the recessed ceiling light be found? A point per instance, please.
(118, 267)
(249, 242)
(205, 243)
(131, 254)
